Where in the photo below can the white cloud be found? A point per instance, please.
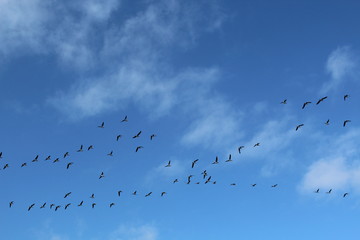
(342, 65)
(144, 232)
(338, 168)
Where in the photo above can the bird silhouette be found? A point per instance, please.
(239, 149)
(118, 137)
(284, 101)
(328, 192)
(125, 119)
(169, 164)
(93, 205)
(67, 205)
(327, 122)
(66, 154)
(92, 195)
(6, 166)
(275, 185)
(48, 158)
(80, 204)
(68, 194)
(346, 96)
(52, 205)
(43, 206)
(229, 160)
(137, 135)
(90, 147)
(138, 148)
(304, 105)
(256, 144)
(110, 154)
(11, 204)
(232, 184)
(69, 164)
(134, 193)
(1, 154)
(111, 204)
(147, 195)
(176, 180)
(57, 207)
(253, 185)
(345, 194)
(24, 165)
(163, 193)
(35, 159)
(208, 180)
(204, 173)
(119, 192)
(345, 122)
(80, 149)
(56, 160)
(31, 206)
(101, 175)
(317, 190)
(102, 125)
(299, 126)
(321, 99)
(152, 136)
(193, 163)
(216, 160)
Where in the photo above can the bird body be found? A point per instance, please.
(299, 126)
(169, 164)
(345, 122)
(137, 135)
(321, 99)
(193, 163)
(304, 105)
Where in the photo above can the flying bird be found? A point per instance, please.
(56, 160)
(102, 125)
(68, 194)
(169, 164)
(90, 147)
(1, 154)
(80, 149)
(152, 136)
(111, 204)
(101, 175)
(317, 190)
(346, 96)
(299, 126)
(216, 160)
(92, 195)
(163, 193)
(52, 205)
(345, 194)
(204, 173)
(125, 119)
(327, 122)
(175, 181)
(134, 193)
(229, 160)
(57, 207)
(321, 99)
(119, 192)
(253, 185)
(275, 185)
(31, 206)
(66, 154)
(345, 122)
(48, 157)
(328, 192)
(93, 205)
(67, 205)
(137, 135)
(69, 164)
(256, 144)
(138, 148)
(5, 166)
(208, 180)
(304, 105)
(24, 165)
(193, 163)
(80, 204)
(233, 184)
(43, 206)
(11, 203)
(147, 195)
(110, 154)
(35, 159)
(239, 149)
(118, 137)
(284, 101)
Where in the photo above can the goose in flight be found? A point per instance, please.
(101, 175)
(169, 164)
(147, 195)
(5, 166)
(208, 180)
(275, 185)
(119, 192)
(163, 193)
(321, 99)
(48, 158)
(176, 180)
(152, 136)
(328, 192)
(299, 126)
(256, 144)
(229, 160)
(35, 159)
(110, 154)
(80, 149)
(253, 185)
(56, 160)
(69, 164)
(52, 205)
(11, 203)
(304, 105)
(233, 184)
(346, 96)
(239, 149)
(125, 119)
(345, 122)
(67, 205)
(284, 101)
(66, 154)
(93, 205)
(111, 204)
(327, 122)
(80, 204)
(68, 194)
(43, 206)
(216, 160)
(57, 207)
(345, 194)
(90, 147)
(134, 193)
(102, 125)
(137, 135)
(31, 206)
(193, 163)
(138, 148)
(24, 164)
(204, 173)
(92, 195)
(118, 137)
(317, 190)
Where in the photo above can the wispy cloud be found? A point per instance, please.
(337, 168)
(342, 65)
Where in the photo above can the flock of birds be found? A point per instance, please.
(206, 178)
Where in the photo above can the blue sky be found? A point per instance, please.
(206, 77)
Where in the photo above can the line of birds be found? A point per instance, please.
(329, 191)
